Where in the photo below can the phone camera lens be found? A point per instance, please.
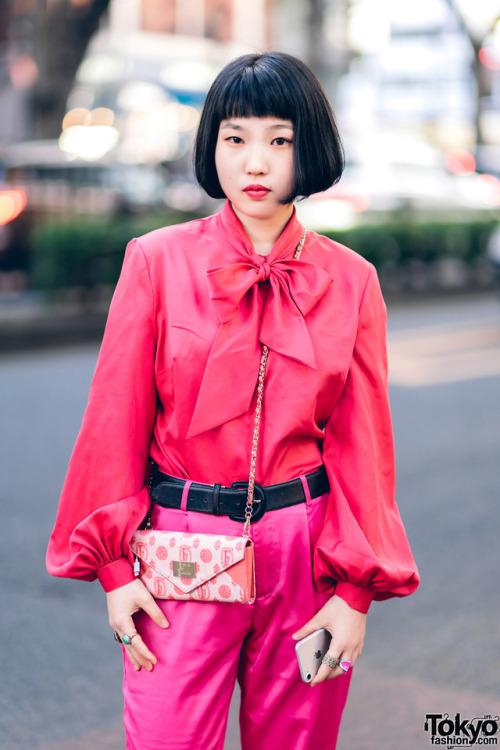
(309, 676)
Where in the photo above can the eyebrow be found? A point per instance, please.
(234, 126)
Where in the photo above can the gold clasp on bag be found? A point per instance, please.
(184, 569)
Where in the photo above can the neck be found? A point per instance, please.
(264, 232)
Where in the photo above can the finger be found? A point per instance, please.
(139, 655)
(143, 656)
(307, 629)
(339, 671)
(153, 610)
(129, 651)
(329, 673)
(132, 659)
(140, 649)
(141, 652)
(325, 672)
(346, 664)
(330, 666)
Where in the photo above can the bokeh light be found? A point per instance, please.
(12, 203)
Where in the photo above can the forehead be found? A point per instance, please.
(255, 124)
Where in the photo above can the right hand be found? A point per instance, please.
(124, 602)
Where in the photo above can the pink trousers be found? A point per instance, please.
(183, 703)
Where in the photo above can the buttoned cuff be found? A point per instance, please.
(356, 597)
(115, 574)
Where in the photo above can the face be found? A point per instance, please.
(254, 161)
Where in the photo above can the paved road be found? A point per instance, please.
(436, 652)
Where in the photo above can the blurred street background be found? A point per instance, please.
(99, 102)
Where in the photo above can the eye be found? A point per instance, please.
(234, 139)
(281, 141)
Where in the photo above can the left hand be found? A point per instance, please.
(347, 627)
(123, 603)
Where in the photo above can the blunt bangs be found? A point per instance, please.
(256, 93)
(273, 84)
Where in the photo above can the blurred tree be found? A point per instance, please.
(61, 36)
(481, 73)
(327, 51)
(5, 19)
(315, 35)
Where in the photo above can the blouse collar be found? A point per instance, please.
(284, 247)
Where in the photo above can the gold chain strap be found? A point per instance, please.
(258, 412)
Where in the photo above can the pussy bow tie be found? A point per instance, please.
(251, 313)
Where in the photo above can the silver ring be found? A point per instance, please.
(127, 639)
(330, 661)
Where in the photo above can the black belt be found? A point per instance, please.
(230, 501)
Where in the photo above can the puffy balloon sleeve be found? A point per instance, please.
(104, 498)
(362, 552)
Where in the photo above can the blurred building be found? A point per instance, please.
(415, 68)
(419, 110)
(125, 139)
(18, 69)
(222, 20)
(403, 78)
(145, 74)
(233, 24)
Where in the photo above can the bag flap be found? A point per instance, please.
(188, 560)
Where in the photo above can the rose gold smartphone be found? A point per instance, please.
(310, 651)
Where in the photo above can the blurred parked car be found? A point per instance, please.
(42, 182)
(494, 253)
(55, 182)
(12, 205)
(387, 174)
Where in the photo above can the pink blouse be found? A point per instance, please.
(176, 381)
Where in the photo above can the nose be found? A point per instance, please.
(256, 160)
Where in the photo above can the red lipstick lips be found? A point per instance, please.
(256, 191)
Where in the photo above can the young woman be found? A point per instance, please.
(176, 384)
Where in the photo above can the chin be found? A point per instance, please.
(263, 209)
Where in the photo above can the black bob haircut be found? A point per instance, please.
(273, 84)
